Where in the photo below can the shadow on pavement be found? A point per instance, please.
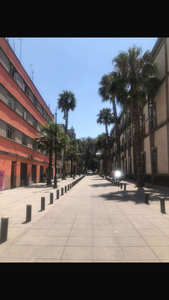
(101, 185)
(121, 195)
(43, 185)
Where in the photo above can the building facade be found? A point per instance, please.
(22, 111)
(154, 128)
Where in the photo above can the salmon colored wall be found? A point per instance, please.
(12, 147)
(16, 121)
(17, 65)
(16, 91)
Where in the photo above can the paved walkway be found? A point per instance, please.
(93, 222)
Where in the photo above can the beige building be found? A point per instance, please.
(154, 127)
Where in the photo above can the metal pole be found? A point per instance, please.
(55, 179)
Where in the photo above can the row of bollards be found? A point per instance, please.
(162, 202)
(5, 220)
(119, 184)
(146, 195)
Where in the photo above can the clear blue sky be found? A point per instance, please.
(75, 64)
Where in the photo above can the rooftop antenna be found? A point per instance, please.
(20, 48)
(13, 45)
(32, 75)
(30, 70)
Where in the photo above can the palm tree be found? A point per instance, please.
(66, 102)
(46, 141)
(105, 117)
(138, 76)
(109, 90)
(101, 145)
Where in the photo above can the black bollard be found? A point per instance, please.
(124, 186)
(51, 198)
(118, 183)
(65, 189)
(68, 187)
(42, 203)
(57, 194)
(146, 198)
(61, 191)
(121, 185)
(4, 229)
(28, 212)
(162, 204)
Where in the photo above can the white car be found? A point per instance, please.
(89, 172)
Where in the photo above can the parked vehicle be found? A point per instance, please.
(89, 172)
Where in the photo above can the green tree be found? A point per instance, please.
(101, 145)
(46, 141)
(66, 102)
(138, 76)
(72, 152)
(88, 155)
(110, 91)
(105, 117)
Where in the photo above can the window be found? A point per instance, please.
(25, 114)
(34, 123)
(34, 101)
(11, 102)
(24, 140)
(24, 87)
(34, 145)
(10, 132)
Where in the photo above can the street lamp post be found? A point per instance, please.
(55, 179)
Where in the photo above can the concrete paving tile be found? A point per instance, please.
(118, 226)
(108, 254)
(65, 221)
(142, 225)
(157, 240)
(149, 232)
(44, 223)
(102, 225)
(79, 241)
(103, 232)
(117, 220)
(62, 226)
(164, 224)
(35, 232)
(165, 231)
(139, 254)
(29, 240)
(77, 254)
(13, 260)
(19, 251)
(162, 252)
(127, 232)
(81, 232)
(54, 240)
(58, 232)
(82, 226)
(105, 241)
(131, 241)
(46, 251)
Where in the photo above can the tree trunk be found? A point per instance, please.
(64, 153)
(50, 167)
(117, 135)
(137, 142)
(109, 154)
